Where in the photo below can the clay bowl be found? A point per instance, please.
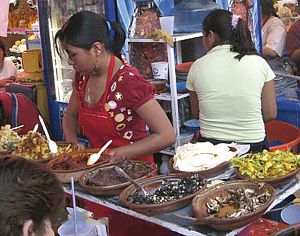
(208, 173)
(150, 185)
(114, 189)
(65, 173)
(275, 182)
(203, 217)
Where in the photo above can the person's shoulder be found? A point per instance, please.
(128, 71)
(275, 21)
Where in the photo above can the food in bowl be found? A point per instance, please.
(33, 146)
(232, 204)
(9, 139)
(202, 156)
(266, 165)
(237, 202)
(109, 177)
(76, 161)
(170, 190)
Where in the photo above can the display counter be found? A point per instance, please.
(180, 221)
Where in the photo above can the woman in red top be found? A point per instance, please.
(110, 99)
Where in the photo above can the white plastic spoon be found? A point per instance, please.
(52, 144)
(35, 128)
(94, 157)
(17, 127)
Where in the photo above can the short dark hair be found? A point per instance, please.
(28, 192)
(2, 46)
(267, 7)
(85, 28)
(239, 37)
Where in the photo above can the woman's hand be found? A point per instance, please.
(5, 82)
(114, 157)
(80, 146)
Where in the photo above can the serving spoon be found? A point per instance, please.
(122, 173)
(95, 157)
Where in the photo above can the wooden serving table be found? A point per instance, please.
(180, 221)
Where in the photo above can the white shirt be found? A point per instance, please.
(8, 69)
(229, 94)
(274, 36)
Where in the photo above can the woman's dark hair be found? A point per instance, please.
(239, 37)
(267, 8)
(85, 28)
(28, 192)
(2, 46)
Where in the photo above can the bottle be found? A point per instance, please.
(80, 6)
(71, 7)
(144, 21)
(88, 5)
(94, 6)
(189, 15)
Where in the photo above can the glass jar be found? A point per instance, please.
(144, 21)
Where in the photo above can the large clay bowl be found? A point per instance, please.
(115, 189)
(275, 182)
(208, 173)
(203, 217)
(150, 185)
(64, 175)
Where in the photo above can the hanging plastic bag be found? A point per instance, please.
(165, 6)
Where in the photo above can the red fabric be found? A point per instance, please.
(293, 41)
(113, 117)
(27, 111)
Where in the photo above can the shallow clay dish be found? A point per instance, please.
(217, 170)
(64, 174)
(275, 182)
(110, 189)
(203, 217)
(150, 185)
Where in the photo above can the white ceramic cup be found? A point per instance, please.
(167, 23)
(160, 70)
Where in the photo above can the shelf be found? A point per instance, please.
(167, 96)
(176, 38)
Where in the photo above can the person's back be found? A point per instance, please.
(30, 198)
(232, 85)
(229, 98)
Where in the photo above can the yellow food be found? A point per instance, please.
(18, 42)
(34, 146)
(267, 164)
(23, 41)
(9, 139)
